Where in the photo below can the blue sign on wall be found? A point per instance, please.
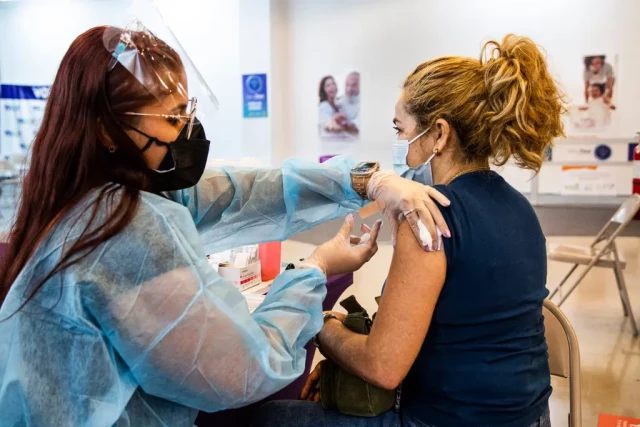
(24, 92)
(21, 110)
(254, 95)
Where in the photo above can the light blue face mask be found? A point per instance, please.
(421, 173)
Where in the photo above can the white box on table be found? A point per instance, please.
(244, 277)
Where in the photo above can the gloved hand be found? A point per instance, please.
(346, 253)
(398, 197)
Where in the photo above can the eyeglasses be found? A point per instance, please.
(188, 119)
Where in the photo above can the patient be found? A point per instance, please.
(461, 328)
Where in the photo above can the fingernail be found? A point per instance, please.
(427, 249)
(447, 204)
(350, 218)
(446, 234)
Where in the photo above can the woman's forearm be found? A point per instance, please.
(385, 356)
(350, 351)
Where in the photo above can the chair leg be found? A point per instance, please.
(582, 276)
(624, 305)
(625, 299)
(566, 277)
(591, 264)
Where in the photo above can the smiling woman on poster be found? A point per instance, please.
(338, 115)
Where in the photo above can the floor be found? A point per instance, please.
(609, 352)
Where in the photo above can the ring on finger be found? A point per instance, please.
(409, 212)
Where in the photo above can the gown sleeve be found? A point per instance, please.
(184, 333)
(233, 207)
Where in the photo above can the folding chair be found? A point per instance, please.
(564, 356)
(603, 252)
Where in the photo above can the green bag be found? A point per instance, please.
(344, 391)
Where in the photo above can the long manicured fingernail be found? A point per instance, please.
(447, 234)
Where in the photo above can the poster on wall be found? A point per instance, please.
(254, 95)
(595, 111)
(21, 111)
(587, 181)
(339, 107)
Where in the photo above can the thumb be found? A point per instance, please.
(347, 227)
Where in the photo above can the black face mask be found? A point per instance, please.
(185, 161)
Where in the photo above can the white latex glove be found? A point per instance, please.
(398, 197)
(346, 253)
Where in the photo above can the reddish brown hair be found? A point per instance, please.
(83, 116)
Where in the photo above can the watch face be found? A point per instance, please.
(364, 167)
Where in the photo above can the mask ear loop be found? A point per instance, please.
(418, 136)
(151, 140)
(435, 153)
(435, 150)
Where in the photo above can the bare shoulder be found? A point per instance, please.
(411, 263)
(408, 247)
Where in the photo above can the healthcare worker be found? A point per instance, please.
(110, 313)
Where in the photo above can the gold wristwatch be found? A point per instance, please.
(360, 176)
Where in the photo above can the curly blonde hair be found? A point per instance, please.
(506, 104)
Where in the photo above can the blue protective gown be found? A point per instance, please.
(143, 332)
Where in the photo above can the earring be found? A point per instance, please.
(112, 149)
(436, 151)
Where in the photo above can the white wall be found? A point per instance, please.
(280, 88)
(35, 35)
(255, 58)
(209, 32)
(297, 41)
(385, 40)
(224, 38)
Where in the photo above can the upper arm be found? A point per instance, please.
(185, 333)
(413, 286)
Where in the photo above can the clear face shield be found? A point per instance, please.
(158, 62)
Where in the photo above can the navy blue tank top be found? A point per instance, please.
(484, 361)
